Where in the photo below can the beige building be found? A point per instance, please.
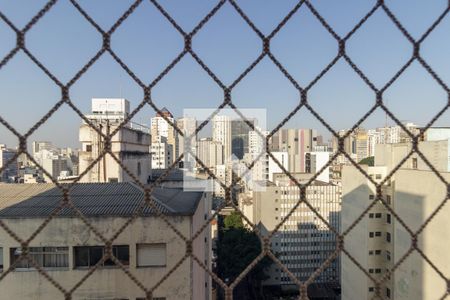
(378, 241)
(296, 142)
(303, 242)
(165, 137)
(66, 249)
(210, 153)
(131, 144)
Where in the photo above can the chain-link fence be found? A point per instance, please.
(303, 103)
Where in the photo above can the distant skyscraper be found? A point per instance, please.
(188, 126)
(296, 142)
(210, 152)
(10, 168)
(221, 132)
(239, 137)
(163, 132)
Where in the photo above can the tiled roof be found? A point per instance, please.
(93, 200)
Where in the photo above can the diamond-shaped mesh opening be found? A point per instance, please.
(373, 198)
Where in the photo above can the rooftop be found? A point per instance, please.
(93, 200)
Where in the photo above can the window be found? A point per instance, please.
(139, 169)
(88, 148)
(371, 289)
(370, 252)
(87, 256)
(388, 293)
(378, 215)
(388, 199)
(388, 255)
(378, 176)
(378, 233)
(151, 255)
(378, 271)
(371, 197)
(113, 180)
(388, 218)
(414, 163)
(371, 216)
(371, 234)
(1, 259)
(377, 252)
(45, 257)
(388, 237)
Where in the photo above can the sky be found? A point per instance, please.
(64, 41)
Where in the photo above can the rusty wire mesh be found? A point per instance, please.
(227, 101)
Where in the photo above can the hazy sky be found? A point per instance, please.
(64, 41)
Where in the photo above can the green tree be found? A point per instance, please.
(237, 248)
(370, 161)
(234, 220)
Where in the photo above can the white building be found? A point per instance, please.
(66, 249)
(315, 161)
(163, 132)
(130, 145)
(161, 153)
(221, 132)
(282, 158)
(210, 153)
(187, 125)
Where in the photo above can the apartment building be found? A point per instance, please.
(165, 137)
(221, 133)
(296, 142)
(210, 153)
(378, 241)
(130, 145)
(303, 242)
(66, 249)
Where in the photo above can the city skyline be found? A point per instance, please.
(415, 96)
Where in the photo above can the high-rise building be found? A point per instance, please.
(361, 144)
(240, 137)
(130, 145)
(296, 142)
(379, 240)
(221, 132)
(315, 161)
(210, 153)
(187, 125)
(303, 242)
(10, 168)
(257, 155)
(163, 132)
(41, 145)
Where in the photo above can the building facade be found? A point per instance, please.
(10, 168)
(303, 242)
(163, 132)
(130, 145)
(66, 249)
(221, 132)
(296, 142)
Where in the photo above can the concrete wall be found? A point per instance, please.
(417, 195)
(201, 284)
(104, 283)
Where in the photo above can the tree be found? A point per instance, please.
(237, 248)
(370, 161)
(234, 220)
